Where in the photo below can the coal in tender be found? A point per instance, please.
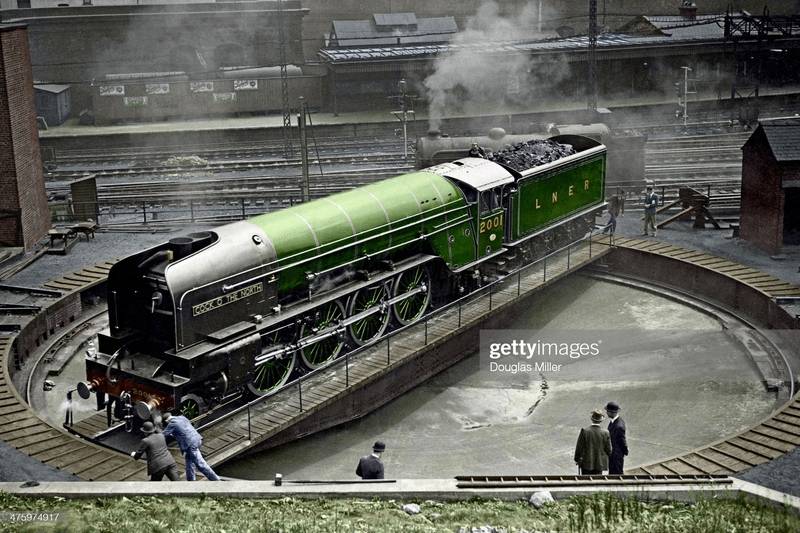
(524, 155)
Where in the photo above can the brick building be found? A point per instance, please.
(770, 215)
(24, 215)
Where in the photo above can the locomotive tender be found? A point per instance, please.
(243, 308)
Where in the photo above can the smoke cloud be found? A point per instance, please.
(473, 77)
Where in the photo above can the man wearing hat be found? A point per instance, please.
(159, 461)
(593, 447)
(650, 205)
(619, 444)
(370, 466)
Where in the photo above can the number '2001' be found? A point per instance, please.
(491, 223)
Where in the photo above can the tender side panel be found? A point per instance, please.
(548, 197)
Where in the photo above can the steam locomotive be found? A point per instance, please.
(243, 308)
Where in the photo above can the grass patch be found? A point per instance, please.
(232, 515)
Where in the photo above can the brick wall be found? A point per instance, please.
(24, 216)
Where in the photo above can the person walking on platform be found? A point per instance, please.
(619, 444)
(370, 466)
(189, 441)
(160, 462)
(613, 212)
(593, 447)
(650, 205)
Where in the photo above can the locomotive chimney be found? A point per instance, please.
(434, 134)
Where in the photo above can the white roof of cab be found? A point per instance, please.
(474, 172)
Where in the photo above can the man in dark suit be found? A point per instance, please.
(619, 444)
(159, 461)
(370, 466)
(593, 447)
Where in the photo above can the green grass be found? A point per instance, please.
(580, 514)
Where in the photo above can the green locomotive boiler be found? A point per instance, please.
(245, 307)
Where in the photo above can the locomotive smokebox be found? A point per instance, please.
(434, 134)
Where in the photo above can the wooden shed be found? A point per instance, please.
(770, 213)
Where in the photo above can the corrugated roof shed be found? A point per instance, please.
(784, 141)
(391, 29)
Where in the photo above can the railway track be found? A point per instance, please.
(389, 159)
(224, 150)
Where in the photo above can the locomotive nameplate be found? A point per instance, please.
(225, 299)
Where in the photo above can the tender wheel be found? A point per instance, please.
(319, 353)
(412, 308)
(274, 373)
(192, 406)
(370, 327)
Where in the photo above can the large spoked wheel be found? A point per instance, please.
(318, 354)
(191, 406)
(274, 373)
(372, 326)
(410, 309)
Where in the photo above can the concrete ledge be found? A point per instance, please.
(403, 489)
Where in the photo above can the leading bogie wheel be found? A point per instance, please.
(191, 406)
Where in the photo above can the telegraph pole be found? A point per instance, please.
(591, 96)
(404, 112)
(305, 184)
(685, 104)
(287, 112)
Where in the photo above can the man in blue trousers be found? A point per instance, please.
(189, 441)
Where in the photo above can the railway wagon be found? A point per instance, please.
(162, 96)
(242, 309)
(626, 152)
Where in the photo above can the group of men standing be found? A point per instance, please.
(600, 449)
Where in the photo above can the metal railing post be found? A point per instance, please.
(426, 332)
(519, 281)
(249, 434)
(300, 393)
(388, 351)
(144, 211)
(347, 370)
(191, 210)
(491, 290)
(243, 215)
(590, 245)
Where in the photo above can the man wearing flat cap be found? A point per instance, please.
(593, 447)
(619, 444)
(370, 466)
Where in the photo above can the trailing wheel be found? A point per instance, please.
(412, 308)
(326, 316)
(373, 325)
(192, 406)
(273, 373)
